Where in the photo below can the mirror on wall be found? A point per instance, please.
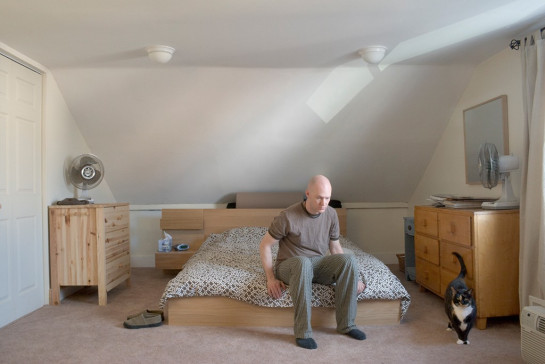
(484, 123)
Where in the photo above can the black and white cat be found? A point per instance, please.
(460, 305)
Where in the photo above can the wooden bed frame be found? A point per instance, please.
(193, 226)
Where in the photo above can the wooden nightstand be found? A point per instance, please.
(172, 260)
(186, 226)
(488, 240)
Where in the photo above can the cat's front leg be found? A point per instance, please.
(462, 337)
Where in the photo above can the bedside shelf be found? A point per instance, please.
(172, 260)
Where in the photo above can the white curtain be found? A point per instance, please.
(532, 203)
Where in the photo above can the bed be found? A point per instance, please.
(223, 284)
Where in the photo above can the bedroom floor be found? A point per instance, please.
(79, 330)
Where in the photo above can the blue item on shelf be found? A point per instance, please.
(182, 247)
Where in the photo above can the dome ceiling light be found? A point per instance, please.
(160, 53)
(373, 54)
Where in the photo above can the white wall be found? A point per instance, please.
(145, 231)
(378, 229)
(499, 75)
(198, 130)
(63, 142)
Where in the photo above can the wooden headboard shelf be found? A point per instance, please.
(193, 226)
(182, 219)
(218, 220)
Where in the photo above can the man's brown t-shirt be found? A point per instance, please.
(302, 234)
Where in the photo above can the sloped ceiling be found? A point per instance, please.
(260, 96)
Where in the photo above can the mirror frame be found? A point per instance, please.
(484, 123)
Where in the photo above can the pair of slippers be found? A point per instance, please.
(147, 318)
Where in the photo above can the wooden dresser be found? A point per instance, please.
(89, 245)
(488, 240)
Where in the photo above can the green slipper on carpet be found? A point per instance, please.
(143, 320)
(155, 312)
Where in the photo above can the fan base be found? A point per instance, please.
(500, 205)
(88, 199)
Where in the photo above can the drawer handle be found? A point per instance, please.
(425, 250)
(452, 228)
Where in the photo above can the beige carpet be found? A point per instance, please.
(80, 331)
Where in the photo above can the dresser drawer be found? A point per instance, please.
(428, 275)
(450, 262)
(425, 222)
(117, 270)
(116, 217)
(116, 243)
(448, 276)
(426, 248)
(455, 228)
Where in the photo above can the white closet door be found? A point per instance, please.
(21, 247)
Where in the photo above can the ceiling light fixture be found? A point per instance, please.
(160, 53)
(373, 54)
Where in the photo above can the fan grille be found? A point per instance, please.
(489, 165)
(86, 171)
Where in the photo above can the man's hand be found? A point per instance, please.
(275, 288)
(361, 287)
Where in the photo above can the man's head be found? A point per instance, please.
(318, 194)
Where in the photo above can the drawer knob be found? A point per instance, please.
(452, 228)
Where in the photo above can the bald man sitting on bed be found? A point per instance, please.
(305, 232)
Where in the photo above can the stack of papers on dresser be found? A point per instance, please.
(458, 201)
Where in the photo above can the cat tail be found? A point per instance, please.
(463, 270)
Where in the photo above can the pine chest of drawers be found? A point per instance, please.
(488, 240)
(89, 245)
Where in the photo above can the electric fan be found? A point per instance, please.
(86, 172)
(492, 168)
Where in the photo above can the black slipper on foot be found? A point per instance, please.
(308, 343)
(356, 334)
